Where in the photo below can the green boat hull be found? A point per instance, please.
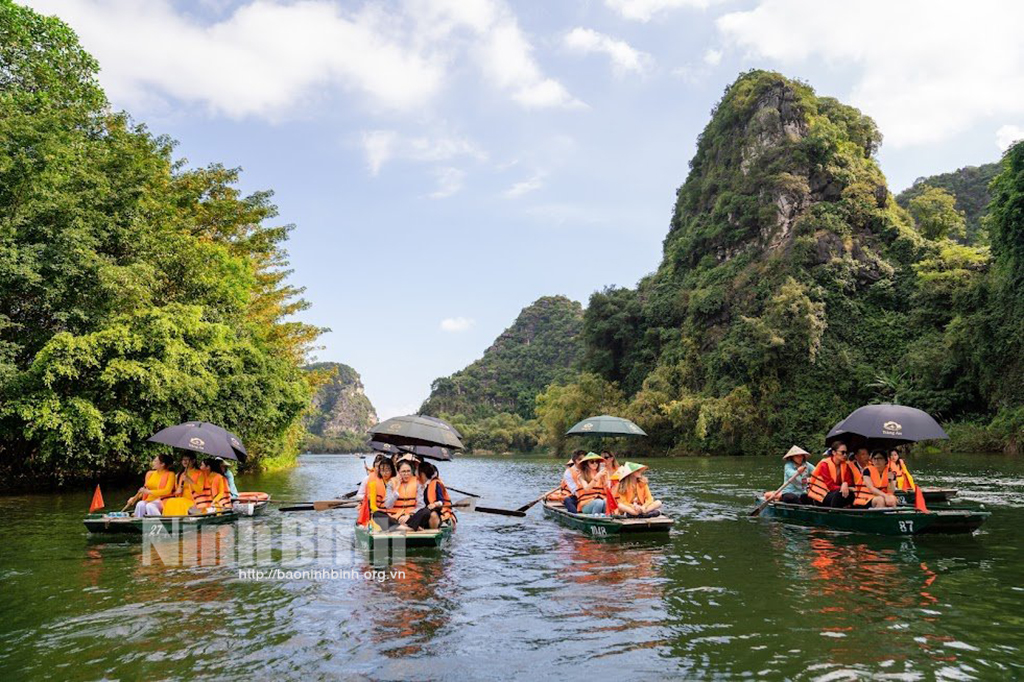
(896, 521)
(127, 525)
(413, 539)
(931, 495)
(606, 526)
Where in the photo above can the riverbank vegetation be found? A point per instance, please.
(135, 291)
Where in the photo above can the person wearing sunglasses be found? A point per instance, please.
(831, 484)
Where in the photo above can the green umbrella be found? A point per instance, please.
(605, 425)
(415, 430)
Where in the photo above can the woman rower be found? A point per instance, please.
(159, 484)
(592, 484)
(904, 481)
(377, 490)
(407, 494)
(795, 464)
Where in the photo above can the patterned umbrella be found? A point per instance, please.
(885, 422)
(415, 430)
(605, 425)
(203, 437)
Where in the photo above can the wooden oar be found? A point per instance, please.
(772, 497)
(527, 506)
(131, 500)
(471, 505)
(462, 491)
(320, 505)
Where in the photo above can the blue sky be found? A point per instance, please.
(447, 162)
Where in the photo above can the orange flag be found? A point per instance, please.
(97, 500)
(364, 511)
(919, 500)
(609, 501)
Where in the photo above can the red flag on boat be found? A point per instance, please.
(364, 511)
(919, 500)
(97, 500)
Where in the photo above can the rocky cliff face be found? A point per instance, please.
(340, 408)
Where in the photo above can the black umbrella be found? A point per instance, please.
(387, 448)
(203, 437)
(436, 452)
(416, 430)
(885, 422)
(441, 421)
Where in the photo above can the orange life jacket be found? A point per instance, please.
(380, 489)
(193, 475)
(640, 494)
(903, 479)
(594, 492)
(202, 495)
(436, 491)
(159, 488)
(220, 492)
(816, 488)
(560, 494)
(406, 502)
(879, 479)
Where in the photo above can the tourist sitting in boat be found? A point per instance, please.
(189, 477)
(794, 465)
(611, 468)
(562, 492)
(904, 481)
(229, 476)
(872, 483)
(407, 495)
(214, 494)
(378, 491)
(370, 473)
(437, 504)
(158, 485)
(831, 484)
(633, 496)
(592, 482)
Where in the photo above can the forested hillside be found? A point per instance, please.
(340, 414)
(492, 400)
(135, 291)
(969, 188)
(793, 288)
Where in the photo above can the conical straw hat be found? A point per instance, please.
(794, 451)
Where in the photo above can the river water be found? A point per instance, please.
(723, 596)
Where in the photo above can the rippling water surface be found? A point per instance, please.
(722, 596)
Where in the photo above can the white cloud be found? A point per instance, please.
(382, 146)
(450, 180)
(269, 58)
(1007, 135)
(454, 325)
(623, 56)
(525, 186)
(644, 10)
(925, 70)
(713, 57)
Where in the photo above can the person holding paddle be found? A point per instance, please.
(795, 476)
(159, 484)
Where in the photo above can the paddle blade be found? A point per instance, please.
(500, 512)
(97, 500)
(919, 504)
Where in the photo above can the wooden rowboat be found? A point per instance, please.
(428, 537)
(606, 526)
(129, 525)
(890, 521)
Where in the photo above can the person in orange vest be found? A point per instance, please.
(870, 485)
(592, 482)
(377, 490)
(633, 495)
(159, 485)
(188, 479)
(437, 504)
(831, 484)
(904, 481)
(571, 481)
(214, 495)
(407, 495)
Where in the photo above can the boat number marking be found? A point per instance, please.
(598, 530)
(906, 526)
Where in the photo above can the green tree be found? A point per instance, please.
(562, 405)
(936, 216)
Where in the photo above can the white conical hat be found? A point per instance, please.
(794, 451)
